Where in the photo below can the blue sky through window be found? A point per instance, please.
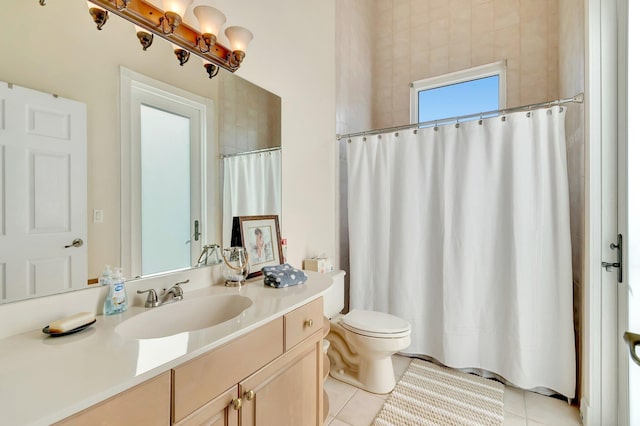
(467, 97)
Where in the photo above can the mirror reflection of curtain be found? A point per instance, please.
(251, 186)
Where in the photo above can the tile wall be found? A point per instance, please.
(249, 116)
(417, 39)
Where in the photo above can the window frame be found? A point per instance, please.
(488, 70)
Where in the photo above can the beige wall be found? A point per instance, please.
(417, 39)
(571, 55)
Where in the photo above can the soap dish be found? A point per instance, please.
(64, 333)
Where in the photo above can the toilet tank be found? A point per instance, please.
(334, 296)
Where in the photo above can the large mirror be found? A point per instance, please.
(56, 49)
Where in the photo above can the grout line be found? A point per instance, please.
(343, 407)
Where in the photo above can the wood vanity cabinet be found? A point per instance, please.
(269, 376)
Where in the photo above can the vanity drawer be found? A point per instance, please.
(303, 322)
(200, 380)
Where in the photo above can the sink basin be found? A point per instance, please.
(182, 316)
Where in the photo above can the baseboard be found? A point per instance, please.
(584, 412)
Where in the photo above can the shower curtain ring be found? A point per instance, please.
(457, 123)
(480, 121)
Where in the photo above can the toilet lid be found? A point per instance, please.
(376, 324)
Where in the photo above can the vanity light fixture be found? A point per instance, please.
(167, 24)
(145, 37)
(98, 14)
(121, 4)
(211, 20)
(174, 11)
(212, 70)
(181, 54)
(239, 38)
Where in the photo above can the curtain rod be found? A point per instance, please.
(257, 151)
(579, 98)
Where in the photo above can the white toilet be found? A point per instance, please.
(362, 342)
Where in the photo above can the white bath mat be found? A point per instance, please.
(428, 394)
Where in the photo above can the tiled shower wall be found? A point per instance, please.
(354, 91)
(249, 117)
(417, 39)
(354, 60)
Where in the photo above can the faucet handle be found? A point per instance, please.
(175, 289)
(152, 298)
(177, 286)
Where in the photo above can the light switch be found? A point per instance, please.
(98, 216)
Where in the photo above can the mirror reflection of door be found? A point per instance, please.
(43, 194)
(163, 147)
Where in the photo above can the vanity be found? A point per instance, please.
(264, 366)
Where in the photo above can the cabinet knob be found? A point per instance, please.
(308, 323)
(249, 395)
(236, 403)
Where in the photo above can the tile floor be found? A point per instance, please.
(350, 406)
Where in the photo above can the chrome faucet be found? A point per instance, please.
(173, 294)
(152, 298)
(213, 251)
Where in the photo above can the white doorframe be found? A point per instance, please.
(599, 403)
(206, 168)
(623, 217)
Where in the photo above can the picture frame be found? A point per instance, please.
(260, 236)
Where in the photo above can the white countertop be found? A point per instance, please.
(45, 379)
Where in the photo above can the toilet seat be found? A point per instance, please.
(375, 324)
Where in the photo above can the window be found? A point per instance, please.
(460, 93)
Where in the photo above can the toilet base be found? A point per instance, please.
(382, 382)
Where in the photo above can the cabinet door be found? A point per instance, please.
(146, 404)
(220, 411)
(287, 392)
(198, 381)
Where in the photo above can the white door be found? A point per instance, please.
(163, 145)
(629, 297)
(43, 191)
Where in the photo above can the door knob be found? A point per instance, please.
(249, 395)
(75, 243)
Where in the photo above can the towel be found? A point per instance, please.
(283, 276)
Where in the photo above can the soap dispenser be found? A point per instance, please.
(116, 301)
(105, 278)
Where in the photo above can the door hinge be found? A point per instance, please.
(618, 264)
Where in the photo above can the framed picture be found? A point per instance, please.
(261, 237)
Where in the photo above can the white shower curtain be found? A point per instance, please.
(251, 186)
(464, 231)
